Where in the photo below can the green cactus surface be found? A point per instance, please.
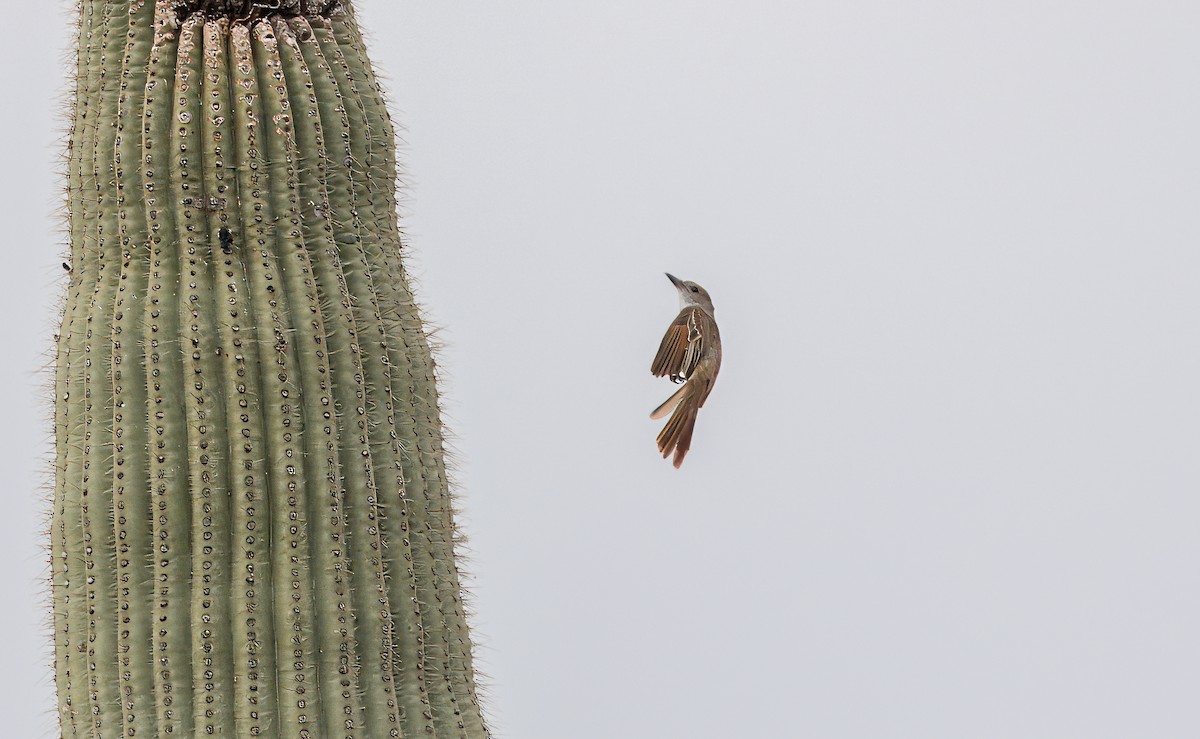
(252, 529)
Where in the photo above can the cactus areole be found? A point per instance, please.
(252, 531)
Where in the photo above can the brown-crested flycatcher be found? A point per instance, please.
(690, 353)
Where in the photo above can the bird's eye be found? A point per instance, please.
(695, 289)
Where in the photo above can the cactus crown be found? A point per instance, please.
(248, 11)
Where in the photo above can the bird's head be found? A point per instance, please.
(691, 294)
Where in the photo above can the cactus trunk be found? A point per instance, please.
(252, 531)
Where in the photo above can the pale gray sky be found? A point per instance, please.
(947, 485)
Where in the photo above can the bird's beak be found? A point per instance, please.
(678, 283)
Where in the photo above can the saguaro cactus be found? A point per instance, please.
(252, 531)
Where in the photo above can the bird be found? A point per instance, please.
(690, 353)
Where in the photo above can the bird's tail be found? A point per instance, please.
(669, 404)
(676, 436)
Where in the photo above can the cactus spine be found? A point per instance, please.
(252, 530)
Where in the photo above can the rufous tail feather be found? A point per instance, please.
(669, 404)
(677, 434)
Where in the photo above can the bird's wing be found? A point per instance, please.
(681, 347)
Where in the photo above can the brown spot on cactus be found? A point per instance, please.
(252, 530)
